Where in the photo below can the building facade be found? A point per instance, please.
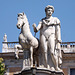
(15, 65)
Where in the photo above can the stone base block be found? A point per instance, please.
(39, 71)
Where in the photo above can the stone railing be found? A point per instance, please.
(9, 46)
(68, 47)
(65, 46)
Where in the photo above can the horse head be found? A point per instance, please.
(21, 20)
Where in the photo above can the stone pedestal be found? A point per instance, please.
(39, 71)
(26, 59)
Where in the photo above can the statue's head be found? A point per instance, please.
(49, 10)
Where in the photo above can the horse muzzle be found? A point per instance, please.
(18, 26)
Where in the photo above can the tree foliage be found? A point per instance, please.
(2, 67)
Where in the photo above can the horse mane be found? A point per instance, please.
(26, 20)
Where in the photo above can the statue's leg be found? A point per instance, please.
(44, 47)
(31, 58)
(51, 44)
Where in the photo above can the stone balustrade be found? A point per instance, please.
(68, 47)
(65, 46)
(9, 46)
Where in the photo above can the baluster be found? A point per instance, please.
(68, 45)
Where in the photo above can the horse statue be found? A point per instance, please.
(26, 40)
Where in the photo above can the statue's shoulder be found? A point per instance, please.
(56, 20)
(43, 19)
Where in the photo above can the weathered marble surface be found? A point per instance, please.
(26, 41)
(50, 39)
(39, 71)
(5, 46)
(49, 52)
(5, 38)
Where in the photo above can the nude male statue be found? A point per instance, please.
(50, 36)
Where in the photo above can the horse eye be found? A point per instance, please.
(18, 15)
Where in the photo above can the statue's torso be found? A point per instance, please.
(48, 26)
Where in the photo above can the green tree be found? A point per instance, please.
(2, 67)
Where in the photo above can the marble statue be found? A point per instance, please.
(5, 45)
(26, 40)
(5, 38)
(50, 37)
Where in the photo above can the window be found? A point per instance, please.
(72, 71)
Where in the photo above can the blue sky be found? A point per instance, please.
(34, 9)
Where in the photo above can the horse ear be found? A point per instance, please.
(23, 13)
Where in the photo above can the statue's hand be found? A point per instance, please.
(34, 26)
(59, 41)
